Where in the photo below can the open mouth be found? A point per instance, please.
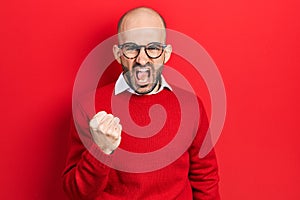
(142, 75)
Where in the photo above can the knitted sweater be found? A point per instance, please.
(188, 177)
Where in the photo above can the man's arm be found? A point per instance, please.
(204, 177)
(84, 176)
(203, 173)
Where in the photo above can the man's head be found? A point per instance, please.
(142, 51)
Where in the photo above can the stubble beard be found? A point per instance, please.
(131, 78)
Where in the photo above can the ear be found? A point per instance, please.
(117, 53)
(168, 52)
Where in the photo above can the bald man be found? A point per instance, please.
(142, 52)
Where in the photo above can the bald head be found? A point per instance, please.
(141, 26)
(141, 17)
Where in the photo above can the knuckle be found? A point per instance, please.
(120, 127)
(117, 120)
(109, 116)
(102, 128)
(100, 115)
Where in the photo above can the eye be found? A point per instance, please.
(153, 47)
(131, 47)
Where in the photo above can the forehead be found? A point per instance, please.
(143, 36)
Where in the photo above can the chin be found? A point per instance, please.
(145, 90)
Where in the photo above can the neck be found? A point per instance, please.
(155, 89)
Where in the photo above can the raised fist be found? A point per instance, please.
(106, 131)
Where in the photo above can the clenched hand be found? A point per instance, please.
(106, 131)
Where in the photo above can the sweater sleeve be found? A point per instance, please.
(203, 173)
(84, 176)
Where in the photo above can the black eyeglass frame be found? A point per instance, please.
(120, 46)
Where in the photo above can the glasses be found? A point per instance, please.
(153, 50)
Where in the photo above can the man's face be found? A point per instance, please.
(143, 72)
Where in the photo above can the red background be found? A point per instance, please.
(254, 43)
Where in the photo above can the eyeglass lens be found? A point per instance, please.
(153, 50)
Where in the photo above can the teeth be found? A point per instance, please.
(143, 70)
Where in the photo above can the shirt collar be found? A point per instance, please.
(122, 86)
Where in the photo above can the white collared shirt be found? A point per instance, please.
(121, 86)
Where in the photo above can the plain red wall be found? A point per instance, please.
(254, 43)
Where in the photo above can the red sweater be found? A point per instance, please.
(188, 177)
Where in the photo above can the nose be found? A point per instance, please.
(142, 58)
